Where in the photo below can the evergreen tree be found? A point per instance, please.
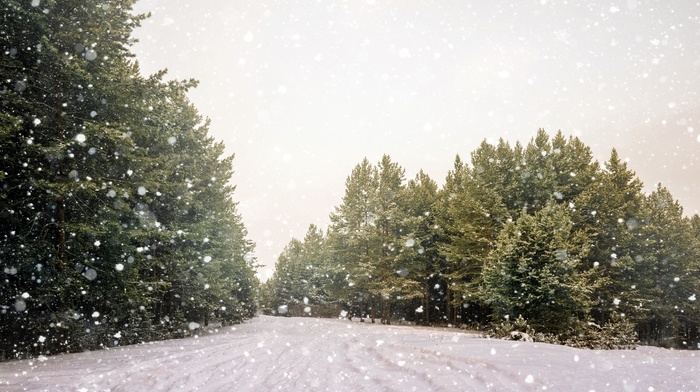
(62, 143)
(665, 274)
(353, 238)
(289, 285)
(500, 169)
(610, 210)
(472, 213)
(300, 282)
(391, 226)
(419, 259)
(573, 168)
(537, 181)
(115, 203)
(316, 265)
(534, 271)
(448, 224)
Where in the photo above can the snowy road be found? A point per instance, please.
(304, 354)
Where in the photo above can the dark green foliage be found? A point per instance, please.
(419, 259)
(299, 283)
(610, 209)
(354, 241)
(535, 271)
(116, 220)
(470, 215)
(666, 275)
(617, 334)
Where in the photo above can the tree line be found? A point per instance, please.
(541, 233)
(117, 223)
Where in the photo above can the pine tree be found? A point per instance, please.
(537, 181)
(500, 169)
(691, 308)
(63, 145)
(419, 260)
(666, 273)
(113, 194)
(317, 272)
(390, 231)
(573, 168)
(449, 233)
(300, 282)
(534, 271)
(353, 237)
(610, 210)
(289, 285)
(472, 213)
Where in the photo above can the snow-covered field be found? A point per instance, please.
(306, 354)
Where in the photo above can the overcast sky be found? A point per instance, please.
(301, 91)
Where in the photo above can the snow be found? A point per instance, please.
(91, 55)
(300, 354)
(248, 37)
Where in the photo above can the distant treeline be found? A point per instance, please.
(541, 232)
(116, 219)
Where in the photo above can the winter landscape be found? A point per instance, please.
(525, 169)
(309, 354)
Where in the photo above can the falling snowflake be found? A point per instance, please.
(91, 55)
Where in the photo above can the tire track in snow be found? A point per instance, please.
(304, 354)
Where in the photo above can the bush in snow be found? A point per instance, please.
(617, 334)
(517, 329)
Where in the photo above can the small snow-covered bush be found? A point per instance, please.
(617, 334)
(520, 336)
(517, 329)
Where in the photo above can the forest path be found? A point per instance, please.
(307, 354)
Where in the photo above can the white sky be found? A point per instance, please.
(302, 91)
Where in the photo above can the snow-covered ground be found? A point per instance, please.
(306, 354)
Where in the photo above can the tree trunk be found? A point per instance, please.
(450, 308)
(60, 200)
(426, 308)
(60, 229)
(382, 312)
(388, 312)
(362, 309)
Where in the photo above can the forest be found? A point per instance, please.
(117, 223)
(540, 239)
